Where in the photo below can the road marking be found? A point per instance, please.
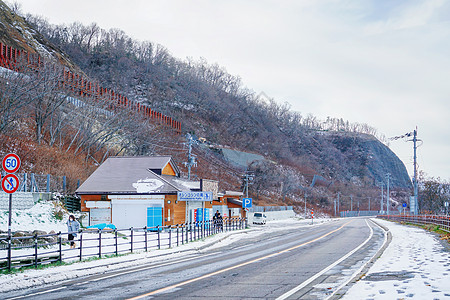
(38, 293)
(311, 279)
(153, 267)
(363, 266)
(113, 275)
(235, 266)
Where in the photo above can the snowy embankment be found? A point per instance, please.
(414, 265)
(39, 217)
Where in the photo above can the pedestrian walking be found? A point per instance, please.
(72, 227)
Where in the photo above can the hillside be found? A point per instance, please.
(209, 103)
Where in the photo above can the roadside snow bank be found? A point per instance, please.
(39, 217)
(414, 265)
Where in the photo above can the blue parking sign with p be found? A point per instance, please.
(247, 202)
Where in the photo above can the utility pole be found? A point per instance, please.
(351, 202)
(306, 196)
(192, 161)
(369, 203)
(415, 179)
(388, 175)
(248, 177)
(339, 212)
(416, 186)
(382, 198)
(334, 206)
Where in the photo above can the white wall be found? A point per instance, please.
(274, 215)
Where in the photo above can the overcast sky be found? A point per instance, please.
(381, 62)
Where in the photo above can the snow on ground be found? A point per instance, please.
(39, 217)
(415, 265)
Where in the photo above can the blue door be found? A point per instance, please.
(154, 216)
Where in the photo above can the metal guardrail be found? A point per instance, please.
(442, 221)
(36, 250)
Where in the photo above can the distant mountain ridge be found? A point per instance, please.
(211, 103)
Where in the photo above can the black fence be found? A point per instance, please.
(36, 250)
(72, 203)
(442, 221)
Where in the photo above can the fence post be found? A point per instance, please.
(25, 182)
(31, 182)
(131, 248)
(146, 240)
(35, 250)
(99, 243)
(9, 251)
(60, 247)
(202, 229)
(170, 235)
(182, 234)
(48, 183)
(115, 238)
(187, 232)
(195, 230)
(159, 238)
(81, 245)
(177, 236)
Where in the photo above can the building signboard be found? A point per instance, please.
(195, 196)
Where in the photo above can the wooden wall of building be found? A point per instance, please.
(177, 210)
(85, 198)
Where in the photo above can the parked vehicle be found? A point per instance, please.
(259, 218)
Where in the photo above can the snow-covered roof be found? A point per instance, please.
(133, 175)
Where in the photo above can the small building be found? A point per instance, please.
(140, 191)
(229, 204)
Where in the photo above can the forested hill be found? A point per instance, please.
(212, 104)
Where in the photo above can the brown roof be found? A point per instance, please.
(131, 175)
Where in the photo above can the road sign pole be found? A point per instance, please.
(9, 216)
(9, 231)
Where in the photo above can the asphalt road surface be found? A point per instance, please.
(311, 262)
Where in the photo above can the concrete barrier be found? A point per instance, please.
(22, 200)
(274, 215)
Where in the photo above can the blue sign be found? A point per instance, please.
(247, 202)
(404, 204)
(195, 196)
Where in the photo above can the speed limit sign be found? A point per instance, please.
(11, 163)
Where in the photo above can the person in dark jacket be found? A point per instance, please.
(72, 227)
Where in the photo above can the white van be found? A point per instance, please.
(259, 218)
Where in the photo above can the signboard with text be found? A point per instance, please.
(195, 196)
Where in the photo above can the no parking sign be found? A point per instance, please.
(10, 183)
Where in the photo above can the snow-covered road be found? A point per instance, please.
(414, 265)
